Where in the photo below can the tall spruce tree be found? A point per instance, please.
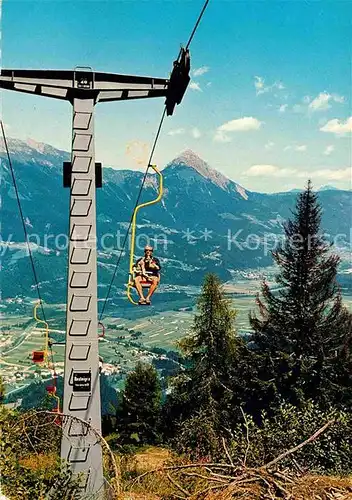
(303, 330)
(139, 412)
(200, 398)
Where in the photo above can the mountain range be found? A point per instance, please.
(205, 221)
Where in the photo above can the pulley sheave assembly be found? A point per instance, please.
(178, 82)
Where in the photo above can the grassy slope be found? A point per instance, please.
(158, 486)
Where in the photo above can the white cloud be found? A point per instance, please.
(200, 71)
(328, 150)
(323, 100)
(176, 131)
(195, 86)
(241, 124)
(338, 127)
(269, 171)
(283, 108)
(326, 174)
(261, 88)
(244, 124)
(196, 133)
(320, 102)
(330, 174)
(269, 145)
(256, 170)
(209, 84)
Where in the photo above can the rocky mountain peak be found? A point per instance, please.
(31, 151)
(190, 159)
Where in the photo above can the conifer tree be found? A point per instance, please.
(138, 415)
(201, 395)
(211, 345)
(302, 326)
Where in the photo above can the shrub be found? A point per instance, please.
(30, 465)
(330, 453)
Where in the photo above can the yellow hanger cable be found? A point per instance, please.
(133, 231)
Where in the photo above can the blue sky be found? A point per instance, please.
(270, 98)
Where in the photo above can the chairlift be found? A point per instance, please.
(42, 355)
(38, 356)
(132, 270)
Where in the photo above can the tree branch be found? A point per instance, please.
(299, 446)
(172, 480)
(247, 436)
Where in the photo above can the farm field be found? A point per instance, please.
(129, 337)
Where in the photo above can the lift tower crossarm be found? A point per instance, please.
(67, 85)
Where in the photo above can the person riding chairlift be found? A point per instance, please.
(147, 268)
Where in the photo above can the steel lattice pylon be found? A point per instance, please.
(84, 89)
